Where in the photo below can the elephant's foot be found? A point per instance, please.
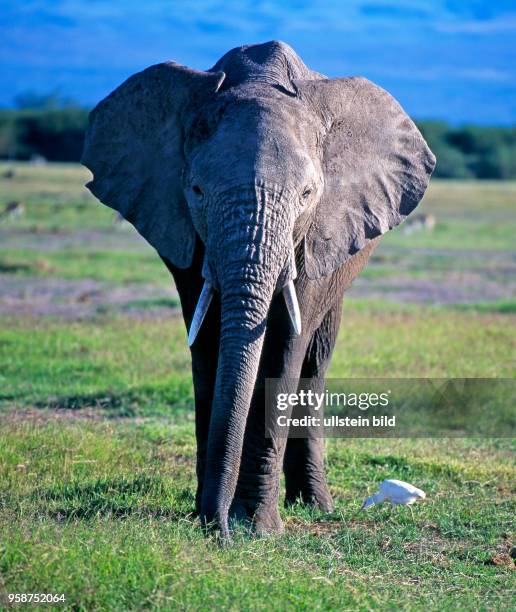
(217, 526)
(261, 519)
(305, 479)
(314, 494)
(267, 521)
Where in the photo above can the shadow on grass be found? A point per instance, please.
(171, 303)
(119, 405)
(130, 403)
(403, 468)
(153, 304)
(7, 397)
(398, 463)
(498, 307)
(7, 267)
(120, 497)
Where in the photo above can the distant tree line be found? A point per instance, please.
(53, 128)
(471, 151)
(55, 134)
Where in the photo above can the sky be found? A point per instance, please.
(442, 59)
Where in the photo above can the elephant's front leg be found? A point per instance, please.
(204, 353)
(305, 478)
(256, 497)
(204, 372)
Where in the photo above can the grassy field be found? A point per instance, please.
(97, 469)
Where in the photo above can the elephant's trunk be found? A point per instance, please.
(249, 258)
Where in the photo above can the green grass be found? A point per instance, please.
(97, 448)
(113, 498)
(54, 197)
(467, 232)
(141, 366)
(122, 366)
(469, 215)
(108, 266)
(102, 512)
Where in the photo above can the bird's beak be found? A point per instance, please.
(369, 501)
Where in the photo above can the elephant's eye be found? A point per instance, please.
(197, 190)
(307, 192)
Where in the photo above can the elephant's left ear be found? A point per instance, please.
(376, 168)
(134, 148)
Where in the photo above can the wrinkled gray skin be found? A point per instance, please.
(240, 175)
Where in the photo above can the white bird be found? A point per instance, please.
(395, 491)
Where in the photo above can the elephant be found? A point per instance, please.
(264, 187)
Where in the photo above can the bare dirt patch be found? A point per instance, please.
(428, 276)
(61, 239)
(450, 288)
(77, 299)
(39, 416)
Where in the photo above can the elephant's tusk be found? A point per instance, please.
(289, 293)
(200, 311)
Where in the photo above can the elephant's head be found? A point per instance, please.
(258, 157)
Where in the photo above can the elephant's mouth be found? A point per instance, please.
(285, 284)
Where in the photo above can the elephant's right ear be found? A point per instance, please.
(134, 148)
(376, 168)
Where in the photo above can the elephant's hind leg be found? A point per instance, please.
(303, 465)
